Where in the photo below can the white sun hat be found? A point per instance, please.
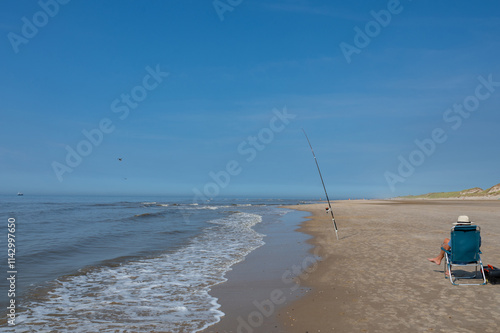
(463, 219)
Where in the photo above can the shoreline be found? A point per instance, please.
(258, 287)
(377, 278)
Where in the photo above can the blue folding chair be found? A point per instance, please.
(465, 244)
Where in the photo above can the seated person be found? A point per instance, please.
(462, 220)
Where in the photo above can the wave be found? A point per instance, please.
(166, 293)
(148, 215)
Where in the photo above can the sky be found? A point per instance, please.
(210, 98)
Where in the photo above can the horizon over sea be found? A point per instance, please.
(118, 264)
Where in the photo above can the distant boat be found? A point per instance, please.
(19, 194)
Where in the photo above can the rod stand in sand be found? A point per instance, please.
(324, 188)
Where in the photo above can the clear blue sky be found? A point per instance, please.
(197, 98)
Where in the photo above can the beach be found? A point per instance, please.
(245, 266)
(376, 277)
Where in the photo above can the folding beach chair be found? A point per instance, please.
(465, 243)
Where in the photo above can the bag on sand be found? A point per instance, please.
(492, 274)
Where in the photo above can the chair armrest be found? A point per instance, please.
(445, 250)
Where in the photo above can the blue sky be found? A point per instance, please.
(397, 97)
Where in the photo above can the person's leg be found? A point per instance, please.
(445, 245)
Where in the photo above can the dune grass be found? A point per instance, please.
(472, 192)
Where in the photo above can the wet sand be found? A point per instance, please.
(377, 278)
(263, 283)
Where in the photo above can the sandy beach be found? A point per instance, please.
(376, 277)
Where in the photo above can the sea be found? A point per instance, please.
(123, 264)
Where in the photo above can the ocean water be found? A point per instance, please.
(124, 264)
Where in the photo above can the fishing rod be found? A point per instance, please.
(322, 182)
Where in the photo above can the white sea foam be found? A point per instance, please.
(210, 207)
(169, 293)
(224, 206)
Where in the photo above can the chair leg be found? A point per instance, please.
(449, 274)
(445, 265)
(447, 268)
(482, 273)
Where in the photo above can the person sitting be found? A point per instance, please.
(462, 220)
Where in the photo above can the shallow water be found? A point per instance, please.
(140, 264)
